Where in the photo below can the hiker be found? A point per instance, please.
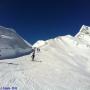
(33, 55)
(38, 49)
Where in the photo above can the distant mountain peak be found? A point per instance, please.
(84, 30)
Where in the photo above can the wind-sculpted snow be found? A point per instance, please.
(11, 44)
(63, 63)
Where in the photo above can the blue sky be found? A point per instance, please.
(36, 20)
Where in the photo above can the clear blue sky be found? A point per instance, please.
(34, 19)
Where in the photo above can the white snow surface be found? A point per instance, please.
(63, 63)
(39, 43)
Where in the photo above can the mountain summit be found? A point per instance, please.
(84, 35)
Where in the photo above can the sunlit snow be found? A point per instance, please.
(63, 63)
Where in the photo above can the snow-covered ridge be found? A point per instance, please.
(81, 38)
(39, 43)
(84, 34)
(12, 45)
(8, 29)
(85, 30)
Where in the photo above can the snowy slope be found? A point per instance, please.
(62, 64)
(11, 44)
(39, 43)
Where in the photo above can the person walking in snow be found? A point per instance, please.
(38, 49)
(33, 55)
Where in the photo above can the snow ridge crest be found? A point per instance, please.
(85, 30)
